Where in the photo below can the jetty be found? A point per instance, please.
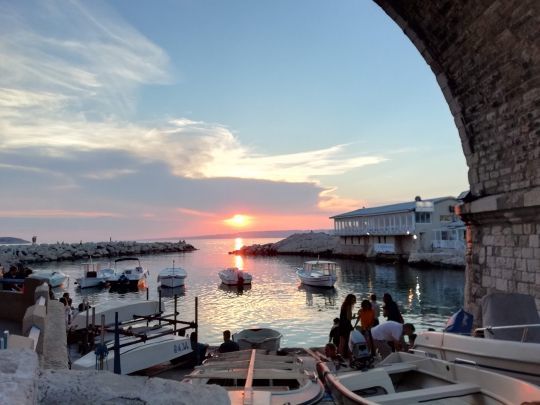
(42, 253)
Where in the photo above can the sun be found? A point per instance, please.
(238, 221)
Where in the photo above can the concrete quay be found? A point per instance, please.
(27, 254)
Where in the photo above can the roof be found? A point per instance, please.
(388, 209)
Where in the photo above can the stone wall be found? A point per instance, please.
(485, 56)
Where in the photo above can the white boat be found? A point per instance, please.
(127, 310)
(254, 377)
(258, 338)
(94, 275)
(172, 277)
(404, 378)
(516, 359)
(54, 278)
(318, 273)
(132, 276)
(513, 350)
(234, 276)
(138, 355)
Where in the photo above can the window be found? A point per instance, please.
(423, 217)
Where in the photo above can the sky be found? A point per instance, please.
(137, 120)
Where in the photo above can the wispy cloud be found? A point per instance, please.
(196, 213)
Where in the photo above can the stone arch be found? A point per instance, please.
(486, 58)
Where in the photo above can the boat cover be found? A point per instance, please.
(503, 309)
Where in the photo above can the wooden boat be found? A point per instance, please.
(131, 276)
(138, 354)
(172, 277)
(53, 278)
(254, 377)
(318, 273)
(234, 276)
(404, 378)
(258, 338)
(94, 275)
(127, 310)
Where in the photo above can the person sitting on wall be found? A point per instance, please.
(228, 345)
(12, 275)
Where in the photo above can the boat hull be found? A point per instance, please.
(126, 311)
(139, 356)
(258, 338)
(231, 278)
(55, 279)
(171, 281)
(516, 359)
(327, 281)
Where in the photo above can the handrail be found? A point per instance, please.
(525, 328)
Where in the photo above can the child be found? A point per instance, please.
(366, 315)
(334, 333)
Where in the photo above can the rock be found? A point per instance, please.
(445, 259)
(104, 387)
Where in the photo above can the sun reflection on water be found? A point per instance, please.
(238, 260)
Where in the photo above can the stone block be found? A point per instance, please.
(501, 284)
(517, 229)
(527, 253)
(523, 288)
(534, 241)
(18, 373)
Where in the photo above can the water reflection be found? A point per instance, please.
(171, 292)
(237, 289)
(314, 295)
(238, 260)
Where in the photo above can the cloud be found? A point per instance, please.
(55, 214)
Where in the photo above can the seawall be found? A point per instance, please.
(26, 254)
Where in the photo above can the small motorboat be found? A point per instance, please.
(172, 277)
(255, 377)
(53, 278)
(138, 354)
(131, 276)
(127, 310)
(318, 273)
(94, 275)
(258, 338)
(404, 378)
(234, 276)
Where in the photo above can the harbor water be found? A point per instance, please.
(276, 299)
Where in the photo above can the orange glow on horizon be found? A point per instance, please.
(238, 221)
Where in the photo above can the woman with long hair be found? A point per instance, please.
(345, 326)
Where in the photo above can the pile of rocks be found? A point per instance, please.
(76, 251)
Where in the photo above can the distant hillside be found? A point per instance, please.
(6, 240)
(254, 234)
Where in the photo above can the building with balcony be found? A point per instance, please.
(400, 229)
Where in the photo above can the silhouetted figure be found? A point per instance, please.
(228, 345)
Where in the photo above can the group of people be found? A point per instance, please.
(384, 337)
(13, 273)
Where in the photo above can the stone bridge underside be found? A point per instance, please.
(485, 55)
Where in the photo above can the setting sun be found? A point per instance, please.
(238, 221)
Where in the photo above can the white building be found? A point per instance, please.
(399, 229)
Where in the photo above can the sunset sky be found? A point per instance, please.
(137, 120)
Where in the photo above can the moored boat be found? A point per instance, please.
(318, 273)
(94, 275)
(53, 278)
(234, 276)
(254, 377)
(130, 276)
(172, 277)
(138, 354)
(258, 338)
(404, 378)
(127, 310)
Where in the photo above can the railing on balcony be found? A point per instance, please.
(390, 230)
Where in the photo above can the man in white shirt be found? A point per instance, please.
(390, 333)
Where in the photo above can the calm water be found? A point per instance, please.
(303, 315)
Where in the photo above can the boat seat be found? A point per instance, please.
(443, 391)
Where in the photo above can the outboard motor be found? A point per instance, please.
(361, 355)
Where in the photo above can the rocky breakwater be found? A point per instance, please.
(309, 244)
(25, 254)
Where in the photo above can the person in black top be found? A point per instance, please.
(333, 337)
(228, 345)
(345, 326)
(391, 310)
